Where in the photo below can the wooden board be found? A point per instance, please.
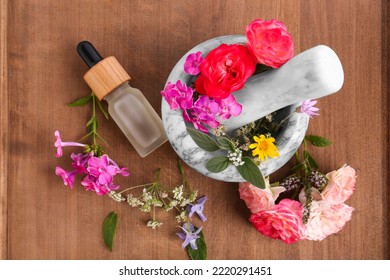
(41, 73)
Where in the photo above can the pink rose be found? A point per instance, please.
(269, 42)
(224, 70)
(257, 199)
(283, 221)
(340, 186)
(326, 219)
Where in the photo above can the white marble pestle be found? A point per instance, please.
(312, 74)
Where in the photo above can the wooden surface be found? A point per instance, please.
(41, 72)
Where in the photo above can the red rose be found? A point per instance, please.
(269, 42)
(283, 221)
(224, 70)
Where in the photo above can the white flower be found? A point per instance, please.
(178, 192)
(154, 224)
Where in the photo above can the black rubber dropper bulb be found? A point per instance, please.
(88, 53)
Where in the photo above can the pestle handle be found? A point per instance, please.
(312, 74)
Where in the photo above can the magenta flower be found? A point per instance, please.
(308, 108)
(101, 169)
(91, 183)
(206, 109)
(79, 162)
(59, 144)
(67, 177)
(197, 208)
(189, 235)
(228, 107)
(178, 95)
(193, 60)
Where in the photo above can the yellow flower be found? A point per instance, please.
(264, 147)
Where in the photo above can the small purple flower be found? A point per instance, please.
(178, 95)
(59, 144)
(193, 60)
(189, 236)
(308, 108)
(67, 177)
(205, 109)
(228, 107)
(197, 208)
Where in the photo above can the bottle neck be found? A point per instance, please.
(123, 87)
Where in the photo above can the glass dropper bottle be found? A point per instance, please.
(127, 106)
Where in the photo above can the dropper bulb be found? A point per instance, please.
(88, 53)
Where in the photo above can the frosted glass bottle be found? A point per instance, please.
(127, 106)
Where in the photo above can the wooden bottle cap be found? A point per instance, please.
(106, 76)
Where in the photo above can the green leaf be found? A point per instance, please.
(310, 160)
(109, 228)
(203, 140)
(318, 141)
(217, 164)
(251, 173)
(81, 102)
(201, 252)
(100, 105)
(225, 143)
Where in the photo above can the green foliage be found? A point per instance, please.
(318, 141)
(109, 229)
(218, 164)
(251, 173)
(81, 102)
(203, 140)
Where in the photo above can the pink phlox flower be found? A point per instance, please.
(206, 109)
(198, 124)
(59, 144)
(178, 95)
(101, 169)
(228, 107)
(308, 108)
(191, 65)
(67, 177)
(79, 162)
(122, 171)
(91, 183)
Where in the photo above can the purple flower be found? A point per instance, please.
(228, 107)
(193, 60)
(59, 144)
(205, 109)
(308, 108)
(67, 177)
(189, 236)
(178, 95)
(197, 208)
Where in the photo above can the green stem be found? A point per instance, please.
(285, 119)
(94, 116)
(183, 176)
(138, 186)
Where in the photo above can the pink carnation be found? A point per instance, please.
(269, 42)
(326, 219)
(257, 199)
(340, 186)
(283, 221)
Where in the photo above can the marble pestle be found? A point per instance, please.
(312, 74)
